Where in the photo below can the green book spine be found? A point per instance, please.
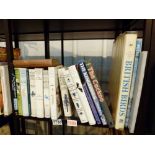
(19, 97)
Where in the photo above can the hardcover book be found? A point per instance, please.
(74, 95)
(99, 94)
(64, 94)
(121, 74)
(92, 93)
(77, 82)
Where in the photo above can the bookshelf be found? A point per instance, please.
(46, 30)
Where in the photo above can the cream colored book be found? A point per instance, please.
(39, 92)
(64, 94)
(7, 104)
(75, 96)
(121, 73)
(32, 92)
(46, 94)
(54, 94)
(77, 82)
(137, 91)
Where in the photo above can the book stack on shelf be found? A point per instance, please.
(46, 89)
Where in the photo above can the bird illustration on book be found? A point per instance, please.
(66, 101)
(78, 87)
(33, 94)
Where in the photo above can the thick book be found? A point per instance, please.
(35, 63)
(32, 92)
(85, 75)
(137, 91)
(99, 93)
(7, 104)
(134, 74)
(64, 94)
(121, 74)
(39, 92)
(54, 93)
(46, 94)
(19, 97)
(77, 82)
(74, 95)
(24, 91)
(90, 100)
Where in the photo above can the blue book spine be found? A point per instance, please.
(134, 74)
(92, 92)
(92, 106)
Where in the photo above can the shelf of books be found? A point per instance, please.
(46, 90)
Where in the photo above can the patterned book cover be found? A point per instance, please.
(32, 92)
(77, 81)
(46, 94)
(134, 74)
(93, 108)
(83, 70)
(64, 94)
(74, 95)
(99, 94)
(24, 91)
(121, 73)
(19, 98)
(54, 93)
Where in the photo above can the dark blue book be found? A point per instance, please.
(92, 106)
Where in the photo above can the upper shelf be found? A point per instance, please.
(33, 29)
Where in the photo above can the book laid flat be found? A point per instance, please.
(54, 93)
(121, 74)
(92, 92)
(134, 74)
(99, 94)
(35, 63)
(137, 91)
(5, 84)
(32, 92)
(47, 107)
(64, 94)
(39, 92)
(75, 96)
(77, 82)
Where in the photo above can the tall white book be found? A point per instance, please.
(75, 96)
(24, 91)
(39, 92)
(7, 104)
(137, 91)
(121, 74)
(46, 94)
(64, 94)
(77, 82)
(54, 93)
(32, 92)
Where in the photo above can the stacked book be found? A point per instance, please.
(126, 79)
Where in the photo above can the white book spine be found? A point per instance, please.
(39, 92)
(126, 74)
(6, 90)
(137, 91)
(54, 93)
(64, 94)
(77, 82)
(46, 94)
(24, 91)
(74, 95)
(32, 92)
